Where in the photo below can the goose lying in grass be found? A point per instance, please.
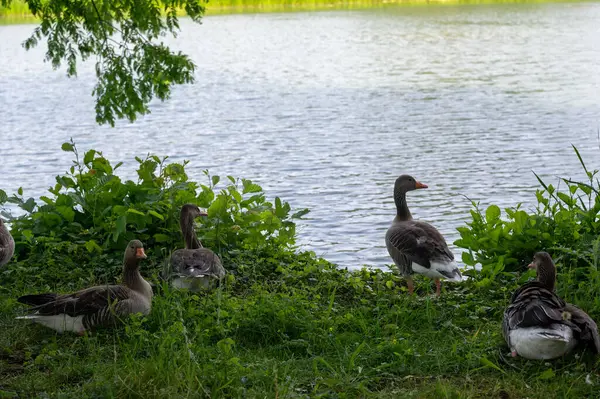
(194, 267)
(95, 306)
(540, 325)
(7, 244)
(415, 246)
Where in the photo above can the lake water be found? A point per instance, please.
(326, 109)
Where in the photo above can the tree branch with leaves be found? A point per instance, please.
(132, 65)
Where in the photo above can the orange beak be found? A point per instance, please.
(203, 213)
(140, 253)
(531, 265)
(420, 185)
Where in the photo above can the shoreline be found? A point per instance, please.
(19, 13)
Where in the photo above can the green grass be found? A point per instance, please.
(284, 324)
(313, 332)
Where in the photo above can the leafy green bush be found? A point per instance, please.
(565, 224)
(91, 213)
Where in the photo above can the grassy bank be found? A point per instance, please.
(19, 12)
(285, 324)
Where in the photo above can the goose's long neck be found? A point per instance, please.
(131, 275)
(402, 211)
(189, 234)
(546, 275)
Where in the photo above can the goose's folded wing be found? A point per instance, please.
(587, 326)
(37, 299)
(195, 262)
(85, 302)
(417, 242)
(434, 241)
(405, 247)
(533, 306)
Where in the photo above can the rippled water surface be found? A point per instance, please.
(326, 109)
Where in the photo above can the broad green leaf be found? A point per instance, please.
(92, 246)
(89, 157)
(135, 211)
(235, 194)
(546, 236)
(159, 237)
(29, 205)
(565, 198)
(250, 187)
(47, 200)
(492, 213)
(66, 212)
(156, 215)
(467, 259)
(218, 206)
(495, 234)
(121, 227)
(300, 213)
(27, 234)
(68, 147)
(215, 180)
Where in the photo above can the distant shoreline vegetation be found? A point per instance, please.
(19, 12)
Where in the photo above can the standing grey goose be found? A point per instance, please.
(539, 325)
(415, 246)
(96, 306)
(194, 267)
(7, 244)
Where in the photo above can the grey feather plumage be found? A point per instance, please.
(535, 305)
(416, 241)
(7, 244)
(417, 246)
(97, 306)
(199, 262)
(194, 266)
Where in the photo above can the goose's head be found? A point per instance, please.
(134, 253)
(406, 183)
(545, 269)
(192, 211)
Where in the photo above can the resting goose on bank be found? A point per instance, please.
(7, 244)
(415, 246)
(194, 267)
(539, 325)
(95, 306)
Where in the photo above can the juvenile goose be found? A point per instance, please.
(539, 325)
(7, 244)
(194, 267)
(415, 246)
(95, 306)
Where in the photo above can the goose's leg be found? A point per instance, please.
(411, 287)
(438, 285)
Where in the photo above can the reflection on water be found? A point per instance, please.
(326, 109)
